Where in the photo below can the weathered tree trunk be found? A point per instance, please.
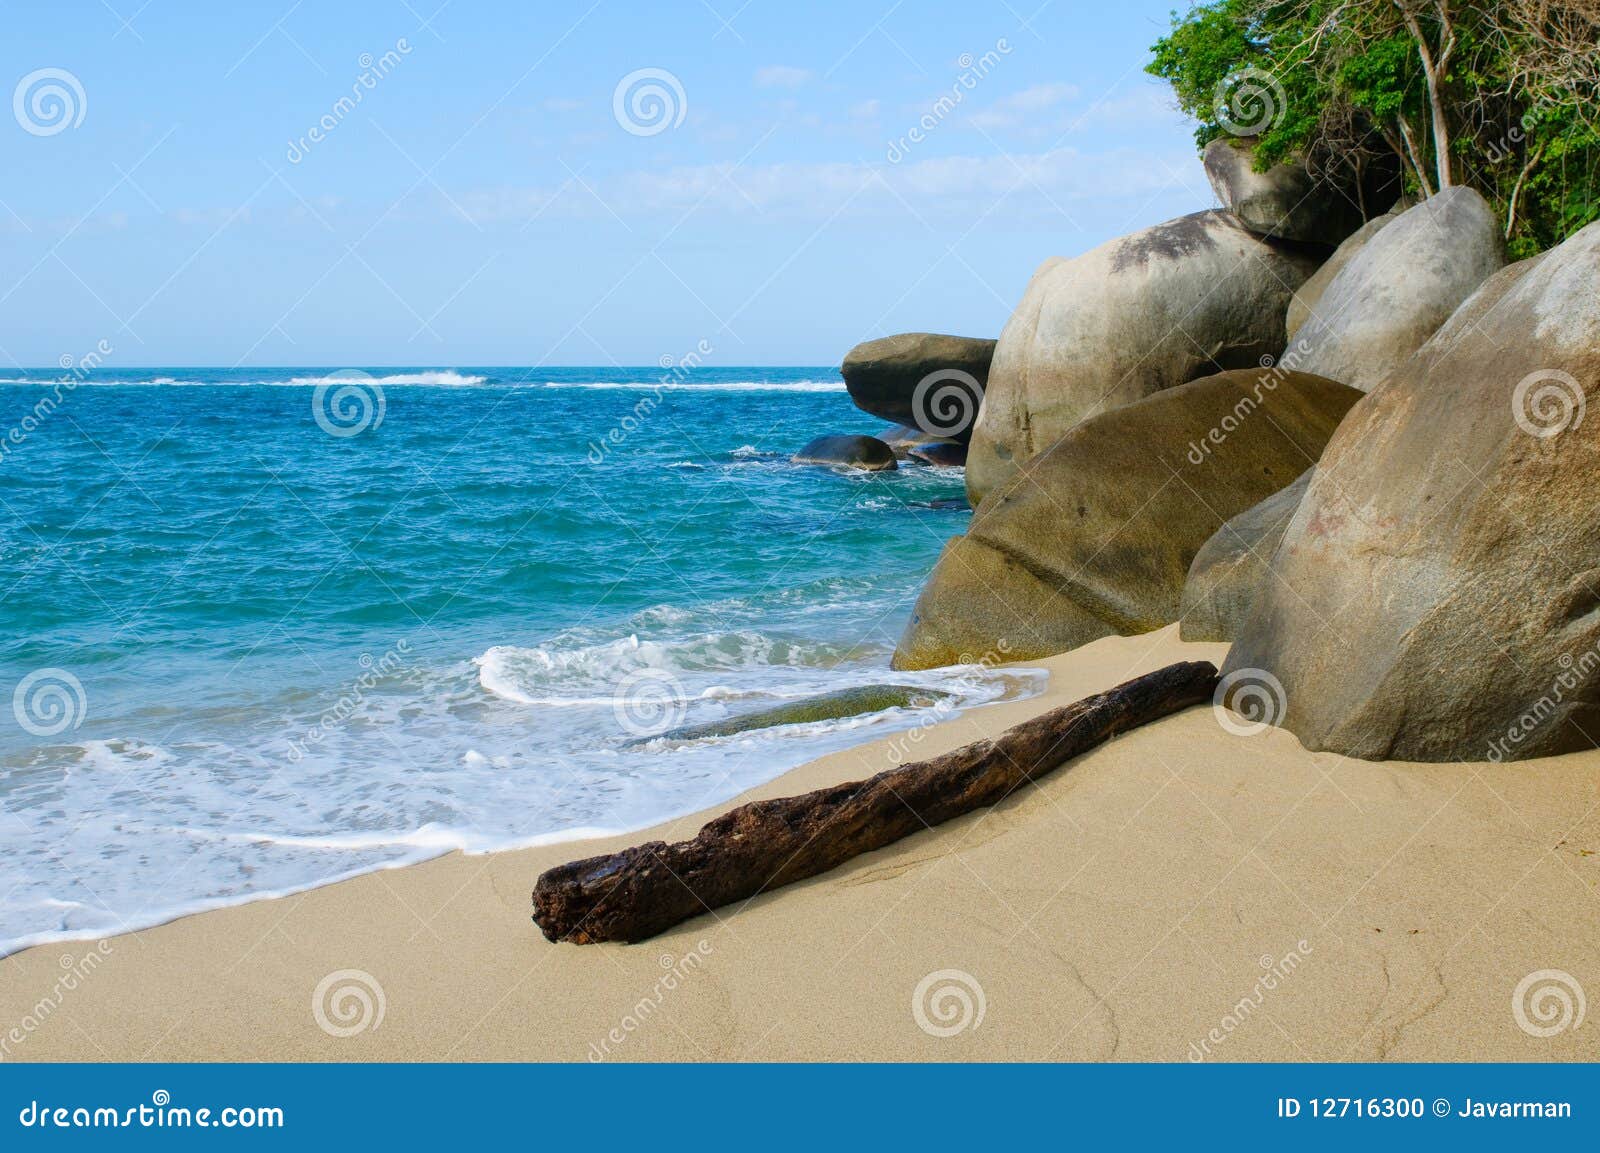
(639, 892)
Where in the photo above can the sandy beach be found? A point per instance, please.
(1182, 893)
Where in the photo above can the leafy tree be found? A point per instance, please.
(1500, 95)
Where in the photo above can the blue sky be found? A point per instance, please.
(483, 203)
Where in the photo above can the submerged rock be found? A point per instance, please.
(940, 452)
(923, 380)
(1185, 299)
(867, 453)
(1096, 536)
(823, 707)
(1436, 596)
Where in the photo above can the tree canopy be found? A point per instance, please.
(1500, 95)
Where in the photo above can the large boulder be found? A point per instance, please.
(1096, 535)
(1287, 202)
(925, 380)
(1397, 290)
(1305, 301)
(1186, 299)
(1230, 567)
(867, 453)
(1437, 594)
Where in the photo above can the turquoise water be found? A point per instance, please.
(268, 628)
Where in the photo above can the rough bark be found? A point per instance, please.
(642, 891)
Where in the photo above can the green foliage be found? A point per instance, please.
(1350, 79)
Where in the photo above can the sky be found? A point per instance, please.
(591, 183)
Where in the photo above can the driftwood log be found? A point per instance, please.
(642, 891)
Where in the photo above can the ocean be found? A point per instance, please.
(265, 629)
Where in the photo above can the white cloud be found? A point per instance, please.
(1039, 184)
(782, 76)
(866, 110)
(562, 104)
(1021, 108)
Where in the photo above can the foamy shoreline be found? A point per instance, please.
(1119, 910)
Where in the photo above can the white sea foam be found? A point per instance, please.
(703, 386)
(437, 378)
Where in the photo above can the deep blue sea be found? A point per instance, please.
(263, 629)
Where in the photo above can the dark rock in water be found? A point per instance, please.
(943, 503)
(1287, 202)
(941, 452)
(1096, 535)
(923, 380)
(1434, 597)
(860, 452)
(1229, 568)
(823, 707)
